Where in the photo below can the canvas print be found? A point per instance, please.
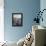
(17, 19)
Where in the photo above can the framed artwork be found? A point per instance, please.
(17, 19)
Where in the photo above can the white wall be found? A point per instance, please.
(1, 20)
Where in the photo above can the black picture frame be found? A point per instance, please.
(17, 19)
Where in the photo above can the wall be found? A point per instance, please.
(43, 6)
(1, 20)
(28, 8)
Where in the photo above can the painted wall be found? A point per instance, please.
(28, 8)
(43, 6)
